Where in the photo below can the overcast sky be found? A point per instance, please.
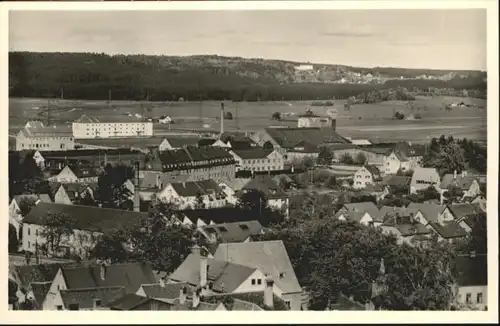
(443, 39)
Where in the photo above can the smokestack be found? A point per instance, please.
(103, 271)
(334, 123)
(268, 293)
(182, 295)
(203, 268)
(221, 118)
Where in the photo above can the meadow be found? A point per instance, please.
(372, 121)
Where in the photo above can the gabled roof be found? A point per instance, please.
(290, 137)
(463, 183)
(225, 276)
(27, 274)
(470, 219)
(168, 292)
(85, 297)
(411, 229)
(372, 169)
(472, 271)
(410, 150)
(234, 232)
(185, 158)
(73, 188)
(60, 131)
(130, 276)
(252, 153)
(396, 180)
(461, 210)
(86, 119)
(128, 301)
(427, 174)
(40, 290)
(362, 207)
(219, 215)
(182, 141)
(87, 217)
(352, 216)
(193, 188)
(449, 230)
(430, 211)
(235, 184)
(266, 185)
(270, 257)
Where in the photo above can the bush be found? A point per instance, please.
(346, 158)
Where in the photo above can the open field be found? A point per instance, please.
(373, 121)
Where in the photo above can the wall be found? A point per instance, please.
(230, 193)
(112, 130)
(362, 178)
(474, 189)
(246, 286)
(66, 176)
(15, 218)
(295, 300)
(273, 162)
(316, 122)
(214, 172)
(420, 184)
(473, 290)
(53, 143)
(53, 298)
(391, 164)
(294, 156)
(61, 197)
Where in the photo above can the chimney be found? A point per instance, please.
(268, 293)
(103, 271)
(196, 250)
(334, 123)
(196, 298)
(203, 268)
(182, 295)
(454, 174)
(162, 282)
(221, 118)
(441, 198)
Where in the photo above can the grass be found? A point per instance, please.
(362, 121)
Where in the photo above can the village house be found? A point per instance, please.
(76, 174)
(479, 200)
(449, 231)
(180, 141)
(402, 224)
(277, 199)
(232, 232)
(193, 194)
(456, 212)
(366, 175)
(423, 178)
(377, 190)
(221, 215)
(311, 120)
(362, 218)
(199, 163)
(395, 181)
(15, 213)
(232, 187)
(426, 213)
(36, 136)
(471, 288)
(469, 221)
(86, 127)
(143, 144)
(404, 157)
(468, 184)
(258, 159)
(71, 193)
(362, 207)
(89, 224)
(76, 288)
(271, 258)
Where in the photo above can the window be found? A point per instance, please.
(73, 306)
(288, 304)
(59, 307)
(97, 302)
(259, 281)
(479, 297)
(36, 232)
(28, 230)
(468, 298)
(253, 281)
(29, 244)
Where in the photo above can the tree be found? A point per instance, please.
(13, 287)
(56, 227)
(361, 159)
(199, 201)
(325, 156)
(111, 189)
(26, 203)
(451, 158)
(86, 200)
(276, 116)
(111, 248)
(453, 194)
(346, 158)
(307, 163)
(13, 240)
(254, 203)
(402, 173)
(228, 116)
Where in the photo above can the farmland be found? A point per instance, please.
(372, 121)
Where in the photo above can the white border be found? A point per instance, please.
(38, 317)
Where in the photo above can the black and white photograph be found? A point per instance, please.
(250, 159)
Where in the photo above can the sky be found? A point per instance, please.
(434, 39)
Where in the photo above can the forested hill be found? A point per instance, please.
(162, 78)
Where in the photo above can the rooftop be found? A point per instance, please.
(449, 230)
(85, 298)
(234, 232)
(462, 182)
(472, 271)
(289, 137)
(253, 153)
(194, 188)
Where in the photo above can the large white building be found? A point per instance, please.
(86, 128)
(36, 136)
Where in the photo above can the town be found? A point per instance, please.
(286, 218)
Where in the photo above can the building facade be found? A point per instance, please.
(88, 127)
(258, 160)
(39, 137)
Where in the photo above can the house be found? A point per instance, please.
(468, 184)
(76, 175)
(479, 200)
(471, 288)
(172, 142)
(468, 222)
(285, 181)
(456, 212)
(86, 127)
(423, 178)
(200, 163)
(271, 259)
(231, 232)
(362, 218)
(221, 215)
(220, 143)
(277, 199)
(129, 277)
(366, 175)
(94, 298)
(311, 120)
(134, 302)
(89, 224)
(237, 141)
(231, 187)
(15, 213)
(71, 193)
(377, 190)
(39, 137)
(258, 159)
(426, 213)
(393, 180)
(449, 231)
(142, 144)
(402, 224)
(193, 194)
(362, 207)
(404, 156)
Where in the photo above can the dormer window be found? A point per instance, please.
(282, 275)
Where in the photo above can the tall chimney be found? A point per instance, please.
(103, 271)
(203, 268)
(268, 293)
(334, 123)
(162, 282)
(221, 118)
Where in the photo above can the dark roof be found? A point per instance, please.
(170, 291)
(372, 169)
(472, 271)
(247, 298)
(85, 297)
(206, 141)
(396, 180)
(219, 215)
(193, 188)
(470, 219)
(253, 153)
(129, 142)
(429, 211)
(413, 150)
(266, 185)
(449, 230)
(125, 153)
(343, 303)
(182, 141)
(461, 210)
(194, 157)
(234, 232)
(289, 137)
(87, 217)
(411, 229)
(225, 276)
(40, 290)
(362, 207)
(463, 183)
(73, 188)
(28, 274)
(128, 302)
(130, 276)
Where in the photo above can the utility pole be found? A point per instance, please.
(109, 98)
(62, 93)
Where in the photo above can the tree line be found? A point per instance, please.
(94, 76)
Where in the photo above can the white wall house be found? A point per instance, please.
(365, 176)
(45, 138)
(423, 178)
(257, 159)
(86, 128)
(184, 195)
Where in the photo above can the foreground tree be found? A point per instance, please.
(111, 189)
(325, 156)
(55, 228)
(13, 240)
